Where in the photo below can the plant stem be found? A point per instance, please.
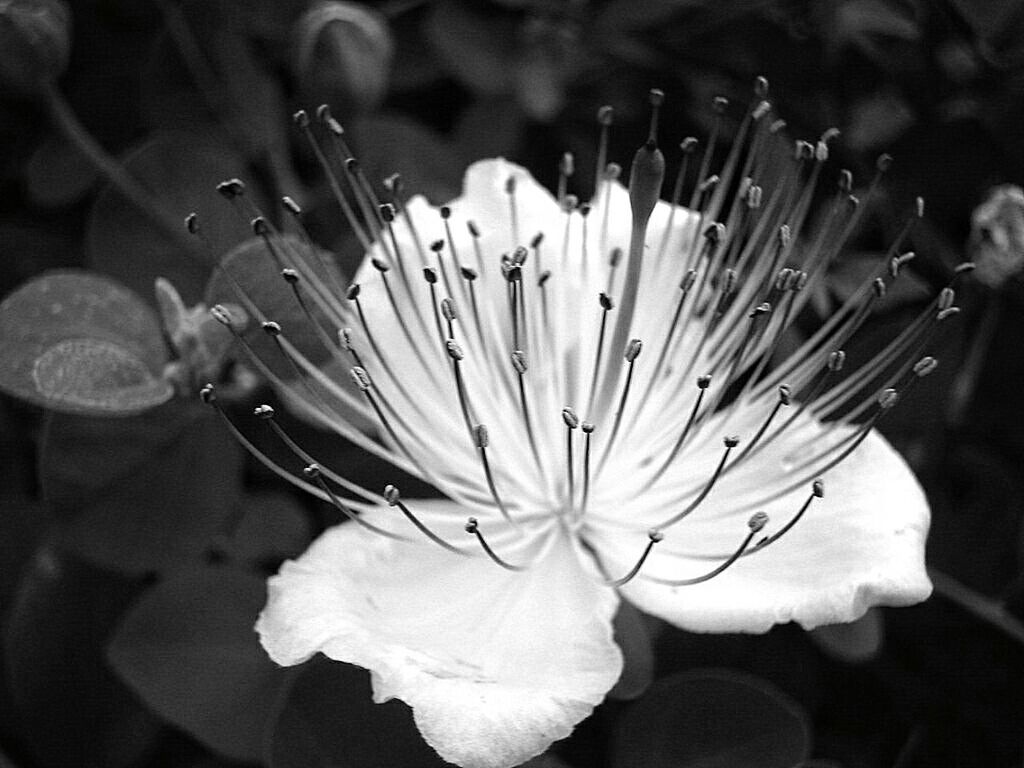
(115, 173)
(983, 607)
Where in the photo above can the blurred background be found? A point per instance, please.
(135, 536)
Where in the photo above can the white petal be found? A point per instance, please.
(496, 665)
(859, 546)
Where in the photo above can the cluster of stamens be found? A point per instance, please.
(468, 326)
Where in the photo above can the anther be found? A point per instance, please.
(878, 286)
(345, 339)
(845, 183)
(448, 310)
(454, 350)
(946, 298)
(587, 427)
(379, 265)
(632, 351)
(519, 361)
(207, 394)
(818, 488)
(703, 382)
(615, 257)
(467, 273)
(360, 377)
(570, 418)
(430, 275)
(757, 522)
(761, 87)
(259, 226)
(301, 118)
(192, 223)
(605, 115)
(312, 471)
(291, 205)
(352, 293)
(263, 412)
(473, 230)
(784, 394)
(231, 188)
(948, 312)
(290, 275)
(836, 361)
(387, 212)
(719, 104)
(605, 301)
(544, 277)
(688, 145)
(480, 435)
(887, 398)
(271, 328)
(222, 315)
(473, 527)
(731, 441)
(925, 366)
(392, 495)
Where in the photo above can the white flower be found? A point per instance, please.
(680, 474)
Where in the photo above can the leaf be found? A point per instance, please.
(58, 173)
(181, 170)
(188, 649)
(710, 718)
(65, 699)
(330, 721)
(273, 527)
(479, 49)
(854, 643)
(429, 165)
(142, 494)
(80, 343)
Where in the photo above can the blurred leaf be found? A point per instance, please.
(429, 164)
(81, 343)
(878, 121)
(712, 719)
(330, 721)
(274, 526)
(67, 703)
(30, 248)
(141, 494)
(633, 638)
(624, 16)
(188, 649)
(181, 169)
(58, 173)
(489, 128)
(342, 54)
(24, 523)
(856, 642)
(479, 49)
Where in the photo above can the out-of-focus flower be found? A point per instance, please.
(997, 235)
(653, 447)
(343, 53)
(35, 42)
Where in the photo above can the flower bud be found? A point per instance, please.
(997, 236)
(35, 42)
(343, 52)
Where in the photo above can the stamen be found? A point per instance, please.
(703, 382)
(566, 168)
(730, 443)
(519, 364)
(473, 527)
(301, 119)
(572, 421)
(606, 306)
(588, 429)
(394, 499)
(631, 353)
(482, 440)
(756, 524)
(314, 473)
(653, 537)
(784, 399)
(817, 492)
(475, 234)
(510, 190)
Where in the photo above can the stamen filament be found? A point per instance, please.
(473, 527)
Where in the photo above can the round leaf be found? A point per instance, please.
(712, 719)
(80, 343)
(633, 637)
(330, 721)
(188, 649)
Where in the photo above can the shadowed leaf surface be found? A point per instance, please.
(712, 719)
(188, 649)
(141, 494)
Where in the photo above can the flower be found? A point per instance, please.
(997, 235)
(601, 395)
